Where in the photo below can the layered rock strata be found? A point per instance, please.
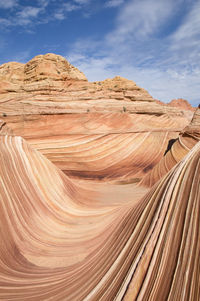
(64, 238)
(93, 130)
(100, 146)
(56, 243)
(48, 84)
(177, 150)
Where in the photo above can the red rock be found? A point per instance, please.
(65, 236)
(181, 103)
(49, 102)
(176, 151)
(59, 242)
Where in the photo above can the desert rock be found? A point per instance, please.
(177, 149)
(99, 189)
(54, 105)
(181, 103)
(58, 242)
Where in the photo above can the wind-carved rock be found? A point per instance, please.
(49, 84)
(69, 229)
(49, 102)
(181, 103)
(179, 149)
(59, 241)
(51, 67)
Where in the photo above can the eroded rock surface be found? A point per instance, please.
(177, 150)
(181, 103)
(48, 84)
(63, 234)
(91, 130)
(58, 242)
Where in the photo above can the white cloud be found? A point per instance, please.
(95, 68)
(168, 68)
(22, 56)
(82, 1)
(5, 22)
(114, 3)
(43, 3)
(68, 7)
(27, 14)
(29, 11)
(59, 15)
(6, 4)
(143, 18)
(185, 42)
(190, 27)
(30, 15)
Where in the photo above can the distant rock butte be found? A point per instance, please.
(181, 103)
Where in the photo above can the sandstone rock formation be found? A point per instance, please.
(178, 148)
(93, 130)
(56, 243)
(100, 146)
(4, 129)
(48, 84)
(79, 218)
(181, 103)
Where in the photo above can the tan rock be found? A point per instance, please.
(4, 129)
(51, 67)
(60, 242)
(63, 238)
(53, 103)
(12, 72)
(177, 149)
(48, 84)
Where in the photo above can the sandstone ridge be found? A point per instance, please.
(96, 130)
(49, 84)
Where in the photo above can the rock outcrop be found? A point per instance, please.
(69, 229)
(51, 67)
(58, 242)
(182, 104)
(48, 84)
(177, 149)
(52, 104)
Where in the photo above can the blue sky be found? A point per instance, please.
(156, 43)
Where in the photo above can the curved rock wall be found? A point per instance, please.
(54, 245)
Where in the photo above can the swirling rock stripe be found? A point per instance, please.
(113, 156)
(54, 246)
(100, 146)
(185, 142)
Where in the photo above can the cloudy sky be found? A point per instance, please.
(156, 43)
